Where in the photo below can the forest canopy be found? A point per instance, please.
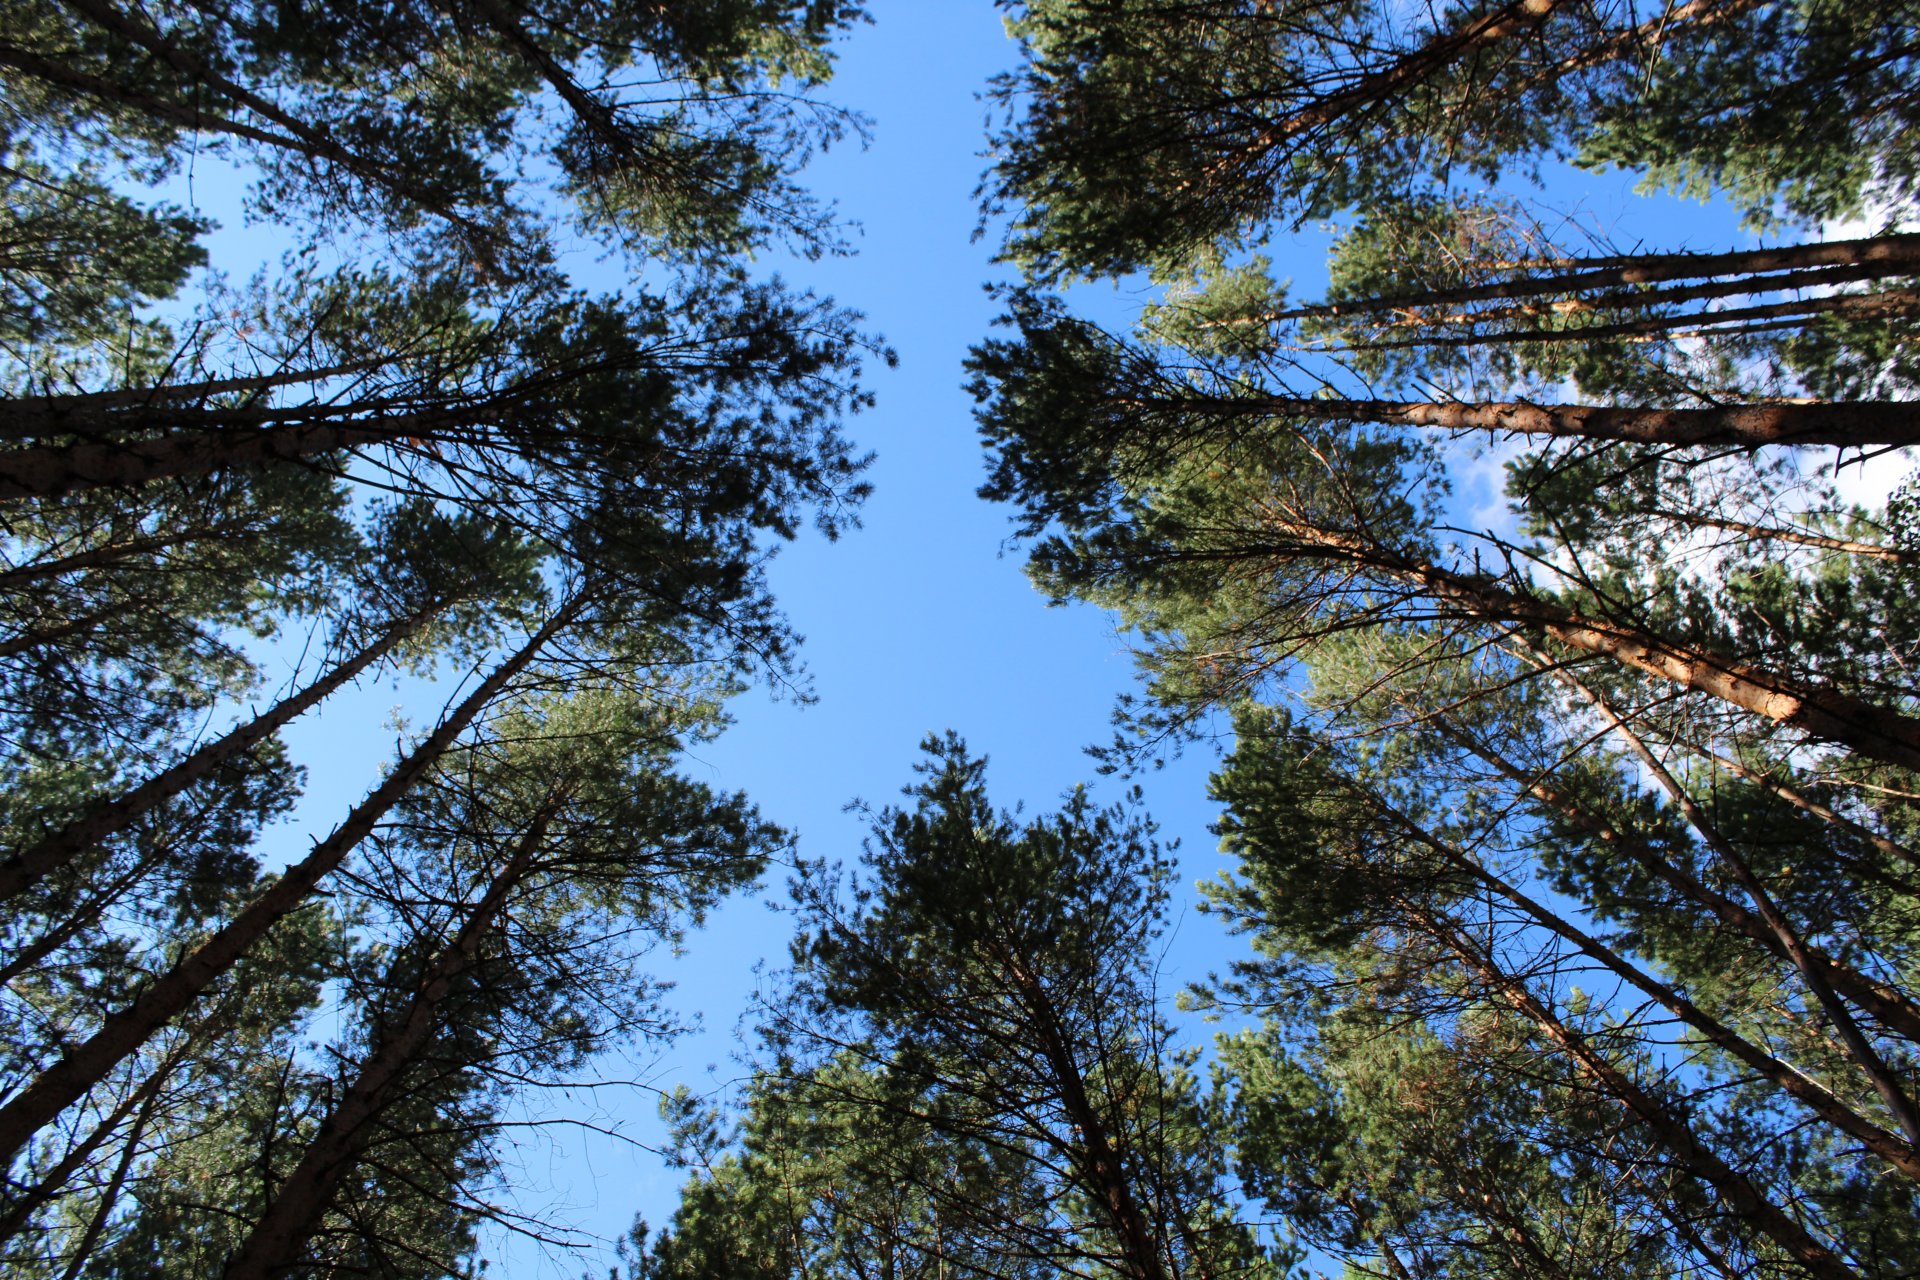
(1575, 842)
(1572, 840)
(412, 446)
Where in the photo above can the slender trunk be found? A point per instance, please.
(1776, 533)
(1884, 305)
(1891, 255)
(1817, 1098)
(1874, 422)
(1493, 1207)
(166, 997)
(1642, 299)
(93, 558)
(1888, 1004)
(76, 468)
(1814, 807)
(1817, 710)
(591, 111)
(277, 1239)
(1102, 1164)
(27, 641)
(90, 1239)
(1670, 1130)
(1390, 81)
(20, 1211)
(30, 956)
(1856, 1044)
(106, 817)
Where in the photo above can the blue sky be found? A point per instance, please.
(919, 622)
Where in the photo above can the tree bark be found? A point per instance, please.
(124, 1031)
(1670, 1130)
(1389, 81)
(1110, 1189)
(78, 413)
(106, 817)
(275, 1243)
(316, 143)
(1855, 1042)
(1860, 423)
(1884, 305)
(1817, 710)
(1874, 256)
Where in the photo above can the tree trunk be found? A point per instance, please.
(86, 412)
(274, 1245)
(1670, 1130)
(55, 470)
(1855, 1042)
(1875, 256)
(1887, 304)
(106, 817)
(1889, 1005)
(1817, 1098)
(299, 136)
(1820, 712)
(1861, 423)
(1102, 1164)
(1389, 81)
(123, 1032)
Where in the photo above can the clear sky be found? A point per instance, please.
(919, 622)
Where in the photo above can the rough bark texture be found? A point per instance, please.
(124, 1031)
(278, 1239)
(104, 818)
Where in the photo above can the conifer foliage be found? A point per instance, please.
(1576, 840)
(413, 446)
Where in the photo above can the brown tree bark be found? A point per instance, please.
(1855, 1042)
(1884, 305)
(1819, 711)
(102, 819)
(1873, 257)
(277, 1240)
(1860, 423)
(84, 1065)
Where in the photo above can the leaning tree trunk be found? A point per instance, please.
(1671, 1131)
(1891, 1006)
(1871, 258)
(1815, 1097)
(1858, 423)
(123, 1032)
(1818, 710)
(108, 816)
(56, 470)
(274, 1246)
